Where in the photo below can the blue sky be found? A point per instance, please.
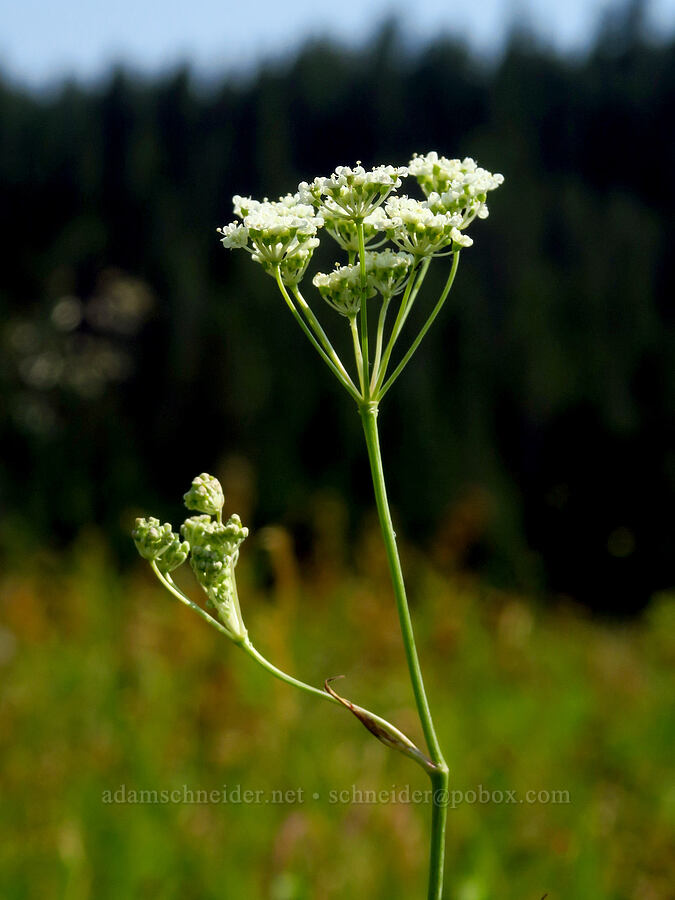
(44, 39)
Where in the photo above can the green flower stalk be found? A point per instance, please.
(361, 211)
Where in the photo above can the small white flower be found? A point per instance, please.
(281, 234)
(458, 237)
(234, 236)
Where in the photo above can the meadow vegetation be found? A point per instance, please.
(106, 683)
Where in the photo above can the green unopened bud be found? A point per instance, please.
(205, 495)
(159, 544)
(193, 528)
(174, 555)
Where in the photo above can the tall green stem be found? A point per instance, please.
(439, 820)
(439, 779)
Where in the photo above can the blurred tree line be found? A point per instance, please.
(533, 433)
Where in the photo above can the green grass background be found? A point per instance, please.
(106, 681)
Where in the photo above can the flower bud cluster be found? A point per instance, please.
(214, 551)
(159, 544)
(341, 289)
(213, 548)
(205, 495)
(416, 228)
(455, 186)
(277, 234)
(352, 193)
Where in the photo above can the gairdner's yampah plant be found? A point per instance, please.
(387, 241)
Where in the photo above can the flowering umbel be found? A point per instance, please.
(455, 186)
(362, 211)
(278, 234)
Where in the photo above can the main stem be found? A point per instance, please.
(440, 778)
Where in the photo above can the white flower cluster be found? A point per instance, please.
(352, 193)
(455, 186)
(341, 289)
(387, 271)
(386, 274)
(281, 233)
(416, 228)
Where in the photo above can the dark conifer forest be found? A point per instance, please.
(538, 417)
